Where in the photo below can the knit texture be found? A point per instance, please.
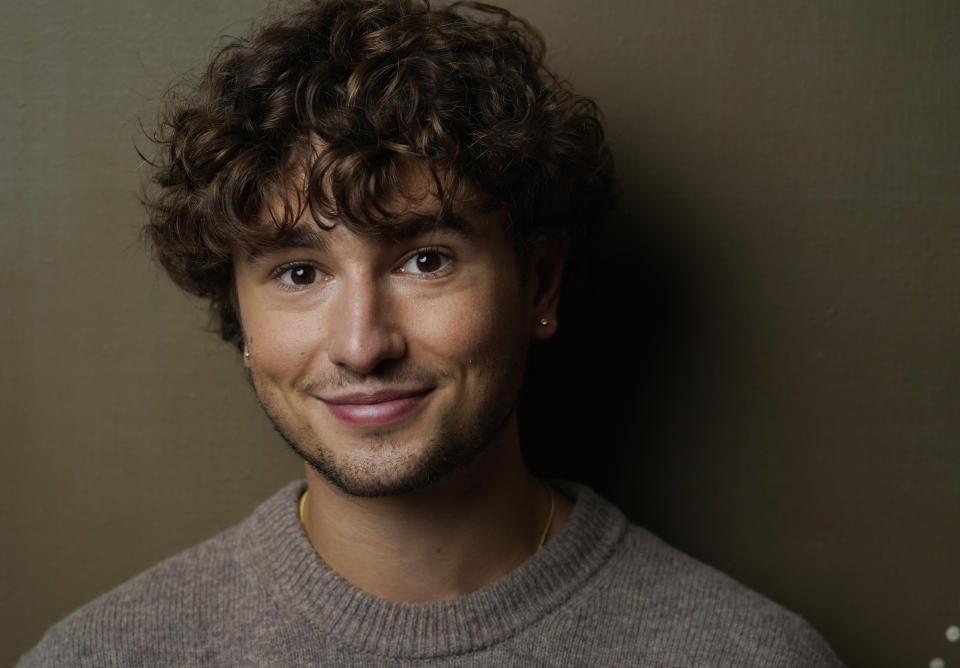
(601, 592)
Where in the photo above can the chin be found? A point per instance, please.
(387, 471)
(386, 468)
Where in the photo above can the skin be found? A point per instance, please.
(422, 497)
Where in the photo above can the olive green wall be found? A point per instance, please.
(788, 236)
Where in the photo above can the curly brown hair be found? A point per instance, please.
(332, 102)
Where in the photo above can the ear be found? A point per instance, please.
(544, 277)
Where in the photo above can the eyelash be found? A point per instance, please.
(447, 258)
(279, 272)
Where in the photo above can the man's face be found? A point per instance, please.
(386, 363)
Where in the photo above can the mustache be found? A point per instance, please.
(394, 375)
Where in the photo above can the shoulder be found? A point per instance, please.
(674, 610)
(164, 616)
(121, 627)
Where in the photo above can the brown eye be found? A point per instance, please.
(300, 275)
(429, 262)
(303, 275)
(426, 263)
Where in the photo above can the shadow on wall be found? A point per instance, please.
(600, 394)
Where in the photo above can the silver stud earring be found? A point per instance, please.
(544, 322)
(246, 353)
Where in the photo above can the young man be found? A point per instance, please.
(378, 197)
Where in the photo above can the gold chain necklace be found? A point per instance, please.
(543, 535)
(546, 528)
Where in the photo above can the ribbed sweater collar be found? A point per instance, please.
(276, 546)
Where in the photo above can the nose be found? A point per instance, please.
(363, 333)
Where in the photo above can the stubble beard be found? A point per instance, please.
(387, 467)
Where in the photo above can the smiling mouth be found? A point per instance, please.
(382, 407)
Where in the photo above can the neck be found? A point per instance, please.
(454, 537)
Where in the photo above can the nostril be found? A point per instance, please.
(364, 349)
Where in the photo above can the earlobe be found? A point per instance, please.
(545, 328)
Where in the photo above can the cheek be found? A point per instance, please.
(279, 343)
(474, 330)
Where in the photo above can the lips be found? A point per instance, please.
(375, 407)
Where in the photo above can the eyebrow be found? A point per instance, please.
(314, 237)
(417, 226)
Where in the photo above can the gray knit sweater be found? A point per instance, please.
(601, 593)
